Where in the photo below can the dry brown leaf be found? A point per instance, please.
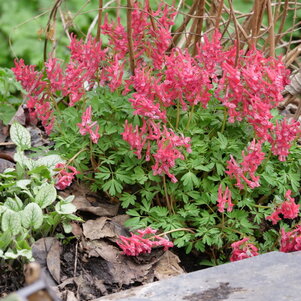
(98, 208)
(93, 229)
(168, 266)
(53, 260)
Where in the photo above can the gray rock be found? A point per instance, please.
(273, 276)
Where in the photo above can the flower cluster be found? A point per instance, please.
(64, 177)
(289, 209)
(150, 34)
(86, 126)
(247, 167)
(291, 241)
(285, 133)
(167, 142)
(242, 250)
(224, 200)
(143, 242)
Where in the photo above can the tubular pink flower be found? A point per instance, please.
(64, 178)
(143, 242)
(89, 127)
(285, 133)
(241, 250)
(291, 241)
(224, 199)
(289, 209)
(245, 171)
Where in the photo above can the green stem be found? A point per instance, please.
(260, 206)
(224, 121)
(74, 157)
(176, 230)
(166, 194)
(190, 117)
(178, 114)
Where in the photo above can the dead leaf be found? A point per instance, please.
(53, 260)
(19, 116)
(40, 250)
(168, 266)
(76, 229)
(99, 228)
(101, 248)
(98, 208)
(4, 164)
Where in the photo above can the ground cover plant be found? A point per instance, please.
(29, 205)
(190, 143)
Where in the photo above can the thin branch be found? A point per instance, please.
(100, 5)
(130, 38)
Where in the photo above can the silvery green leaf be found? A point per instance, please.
(11, 222)
(63, 208)
(20, 158)
(23, 183)
(24, 253)
(67, 227)
(5, 240)
(20, 136)
(13, 204)
(2, 209)
(69, 198)
(50, 161)
(46, 195)
(32, 216)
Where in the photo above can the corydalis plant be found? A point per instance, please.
(212, 112)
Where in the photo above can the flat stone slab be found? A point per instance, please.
(273, 276)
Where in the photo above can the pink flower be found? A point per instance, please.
(168, 152)
(285, 132)
(245, 171)
(143, 242)
(289, 209)
(86, 126)
(224, 199)
(291, 241)
(64, 178)
(242, 250)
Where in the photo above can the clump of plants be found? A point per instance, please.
(192, 145)
(30, 207)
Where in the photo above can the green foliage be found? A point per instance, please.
(29, 205)
(8, 88)
(194, 221)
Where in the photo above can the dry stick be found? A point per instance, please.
(294, 21)
(129, 34)
(176, 34)
(219, 13)
(199, 26)
(191, 34)
(51, 16)
(254, 22)
(271, 30)
(284, 13)
(64, 25)
(236, 32)
(99, 20)
(92, 25)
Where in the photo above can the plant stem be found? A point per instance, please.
(178, 114)
(79, 152)
(166, 195)
(190, 117)
(224, 121)
(260, 206)
(176, 230)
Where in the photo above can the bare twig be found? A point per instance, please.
(99, 20)
(130, 38)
